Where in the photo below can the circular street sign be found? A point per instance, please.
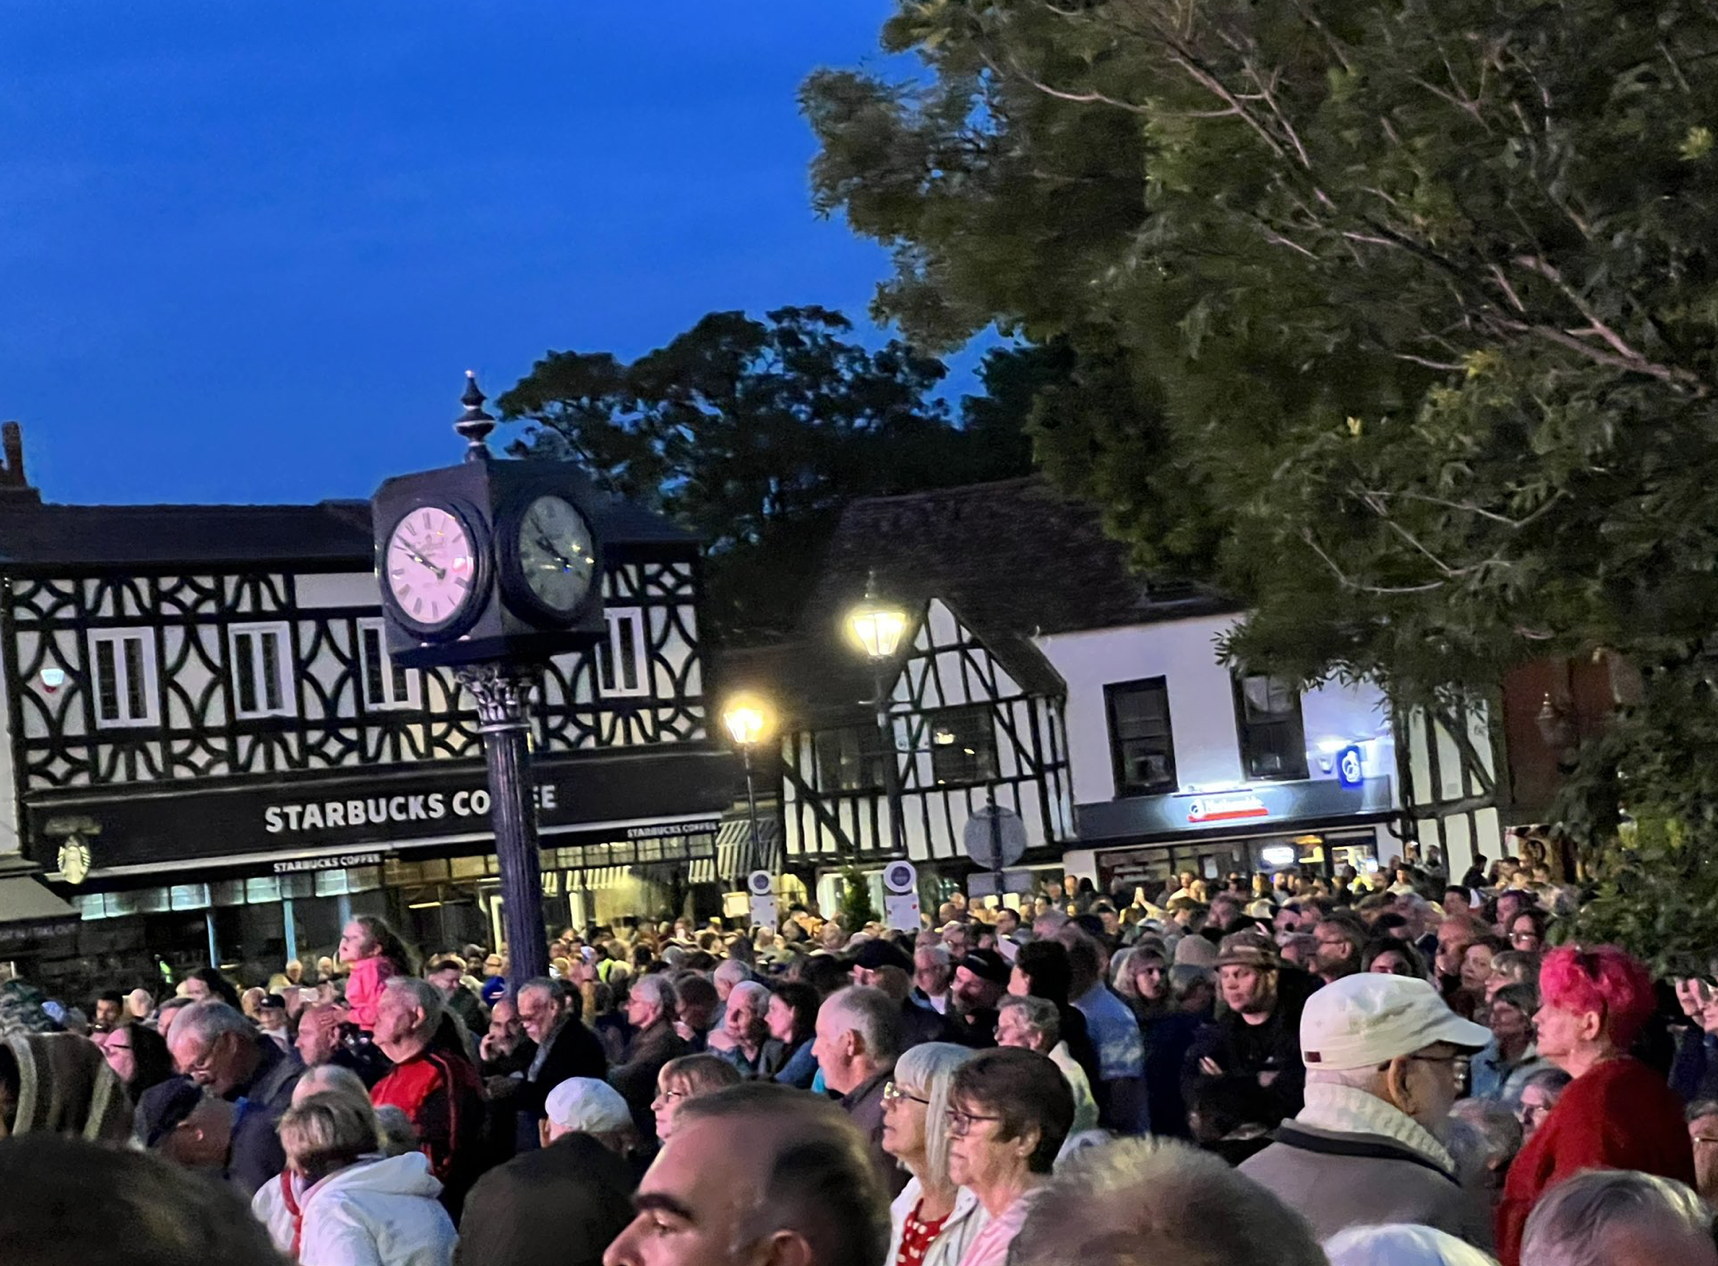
(991, 829)
(761, 883)
(900, 878)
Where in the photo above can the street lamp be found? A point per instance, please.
(750, 721)
(876, 628)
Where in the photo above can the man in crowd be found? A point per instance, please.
(109, 1011)
(980, 980)
(447, 974)
(505, 1050)
(932, 973)
(562, 1204)
(1619, 1218)
(880, 964)
(1258, 1035)
(1115, 1038)
(1158, 1201)
(432, 1082)
(1703, 1135)
(218, 1048)
(1341, 942)
(1380, 1055)
(650, 1012)
(706, 1202)
(565, 1048)
(858, 1039)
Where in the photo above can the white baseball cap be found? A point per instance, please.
(587, 1106)
(1369, 1019)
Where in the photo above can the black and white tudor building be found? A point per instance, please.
(1042, 674)
(211, 758)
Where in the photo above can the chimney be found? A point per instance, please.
(13, 482)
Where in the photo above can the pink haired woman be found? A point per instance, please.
(1617, 1113)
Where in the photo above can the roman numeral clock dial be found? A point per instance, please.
(432, 568)
(556, 558)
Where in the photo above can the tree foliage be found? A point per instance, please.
(753, 434)
(1395, 317)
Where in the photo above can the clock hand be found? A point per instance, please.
(543, 542)
(440, 572)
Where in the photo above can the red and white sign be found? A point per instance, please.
(1229, 808)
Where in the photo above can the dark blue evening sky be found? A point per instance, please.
(247, 249)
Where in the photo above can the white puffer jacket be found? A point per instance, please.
(374, 1213)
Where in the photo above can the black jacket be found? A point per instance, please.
(561, 1205)
(257, 1156)
(636, 1079)
(573, 1052)
(1269, 1051)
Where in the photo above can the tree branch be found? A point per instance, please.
(1347, 582)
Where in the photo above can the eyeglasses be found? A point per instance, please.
(960, 1123)
(1518, 937)
(1704, 1139)
(892, 1092)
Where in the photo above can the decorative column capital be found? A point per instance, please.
(502, 692)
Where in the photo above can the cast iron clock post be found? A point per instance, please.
(492, 567)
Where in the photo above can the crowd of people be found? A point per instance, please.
(1379, 1071)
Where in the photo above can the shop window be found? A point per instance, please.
(850, 759)
(124, 672)
(963, 746)
(262, 670)
(1142, 746)
(623, 666)
(387, 686)
(1267, 717)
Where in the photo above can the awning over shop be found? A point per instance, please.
(735, 858)
(26, 900)
(29, 912)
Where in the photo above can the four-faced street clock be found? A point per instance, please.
(490, 560)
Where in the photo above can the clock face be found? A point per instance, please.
(557, 560)
(432, 566)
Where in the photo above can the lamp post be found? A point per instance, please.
(876, 628)
(750, 721)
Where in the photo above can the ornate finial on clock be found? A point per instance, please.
(474, 424)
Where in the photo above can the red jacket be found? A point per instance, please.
(443, 1096)
(1617, 1115)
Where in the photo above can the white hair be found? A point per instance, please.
(1159, 1200)
(659, 990)
(872, 1014)
(731, 971)
(1401, 1245)
(1569, 1225)
(424, 996)
(938, 954)
(209, 1019)
(753, 992)
(927, 1071)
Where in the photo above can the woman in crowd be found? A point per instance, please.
(340, 1202)
(1512, 967)
(1503, 1067)
(1009, 1111)
(1168, 1032)
(1539, 1094)
(689, 1077)
(1617, 1113)
(934, 1220)
(137, 1055)
(1041, 970)
(1475, 972)
(792, 1018)
(1527, 931)
(206, 983)
(1392, 957)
